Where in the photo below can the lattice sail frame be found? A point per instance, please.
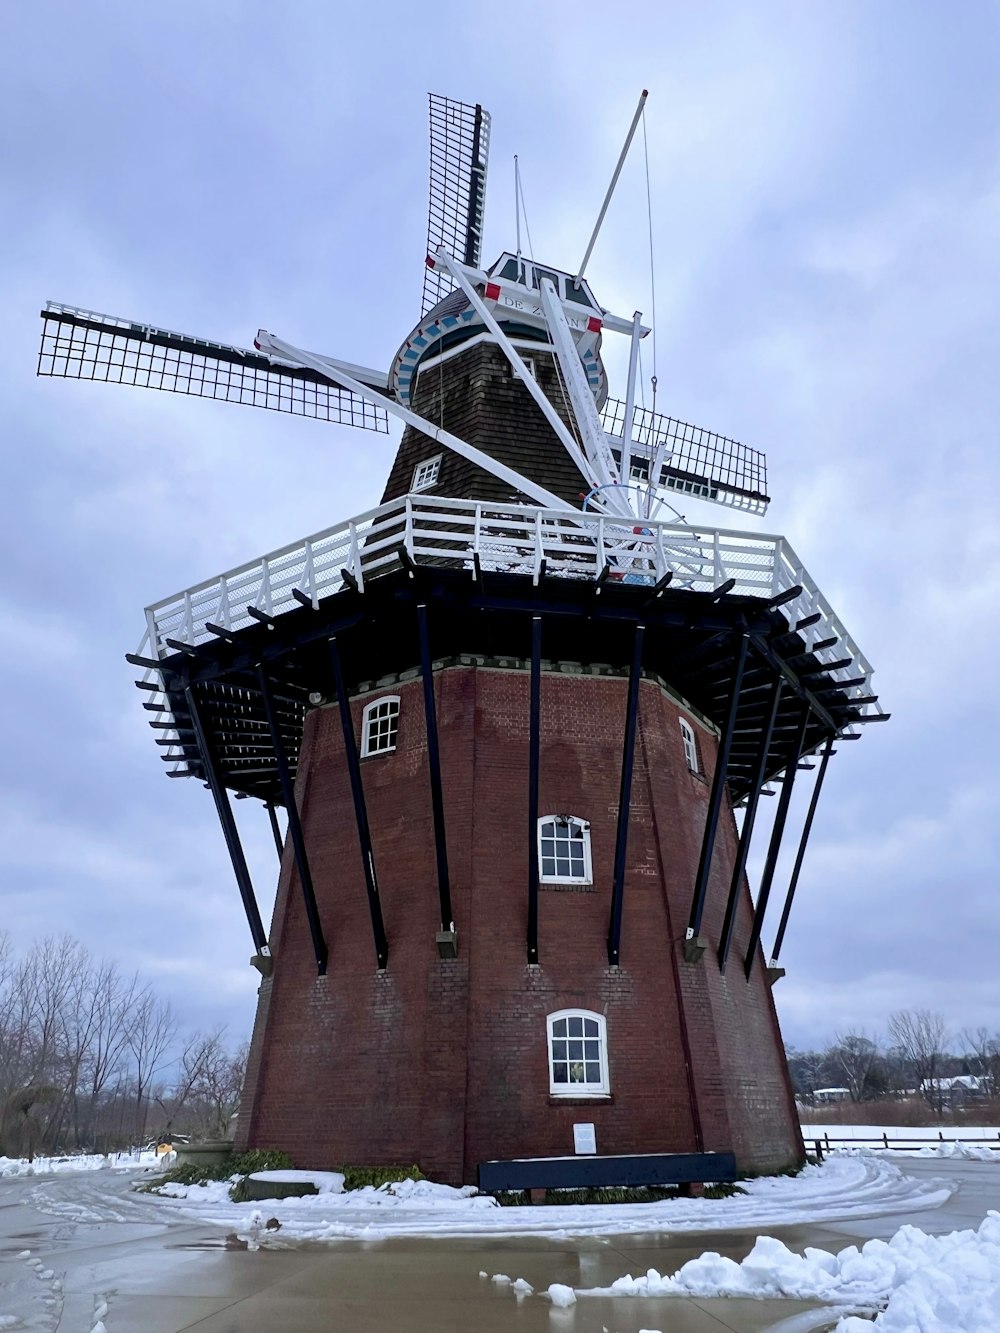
(691, 460)
(460, 146)
(83, 344)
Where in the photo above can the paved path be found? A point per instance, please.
(101, 1245)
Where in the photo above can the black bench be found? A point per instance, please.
(593, 1172)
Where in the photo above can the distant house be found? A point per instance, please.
(823, 1096)
(954, 1091)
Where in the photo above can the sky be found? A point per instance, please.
(825, 213)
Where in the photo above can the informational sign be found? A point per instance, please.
(584, 1139)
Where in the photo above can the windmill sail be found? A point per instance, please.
(81, 344)
(460, 146)
(690, 460)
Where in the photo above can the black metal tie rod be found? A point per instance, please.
(749, 817)
(360, 809)
(534, 724)
(294, 825)
(229, 830)
(715, 797)
(774, 846)
(625, 800)
(434, 764)
(793, 882)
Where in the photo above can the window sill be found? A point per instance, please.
(581, 1099)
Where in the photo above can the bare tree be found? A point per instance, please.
(983, 1050)
(150, 1033)
(921, 1037)
(219, 1087)
(855, 1055)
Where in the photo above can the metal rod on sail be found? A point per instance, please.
(614, 181)
(272, 346)
(633, 363)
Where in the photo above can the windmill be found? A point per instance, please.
(685, 668)
(627, 458)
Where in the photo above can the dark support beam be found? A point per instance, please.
(692, 949)
(789, 595)
(749, 816)
(272, 815)
(534, 744)
(229, 830)
(294, 825)
(360, 809)
(781, 814)
(434, 764)
(625, 800)
(806, 829)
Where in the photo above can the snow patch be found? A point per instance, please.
(560, 1295)
(846, 1185)
(918, 1283)
(326, 1182)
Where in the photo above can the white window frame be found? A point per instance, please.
(432, 468)
(690, 744)
(582, 1087)
(369, 732)
(565, 821)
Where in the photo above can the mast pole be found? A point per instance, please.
(614, 181)
(517, 211)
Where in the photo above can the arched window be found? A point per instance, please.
(379, 724)
(564, 850)
(578, 1054)
(690, 748)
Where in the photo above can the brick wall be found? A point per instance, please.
(444, 1062)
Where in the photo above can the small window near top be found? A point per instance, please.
(690, 748)
(578, 1054)
(425, 474)
(638, 469)
(379, 725)
(564, 850)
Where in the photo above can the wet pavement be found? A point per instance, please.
(98, 1250)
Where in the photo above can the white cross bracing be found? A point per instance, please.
(592, 455)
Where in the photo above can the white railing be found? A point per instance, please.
(518, 539)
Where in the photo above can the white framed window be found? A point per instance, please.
(564, 850)
(578, 1054)
(425, 474)
(379, 724)
(690, 747)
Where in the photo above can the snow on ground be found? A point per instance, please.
(116, 1161)
(920, 1283)
(845, 1186)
